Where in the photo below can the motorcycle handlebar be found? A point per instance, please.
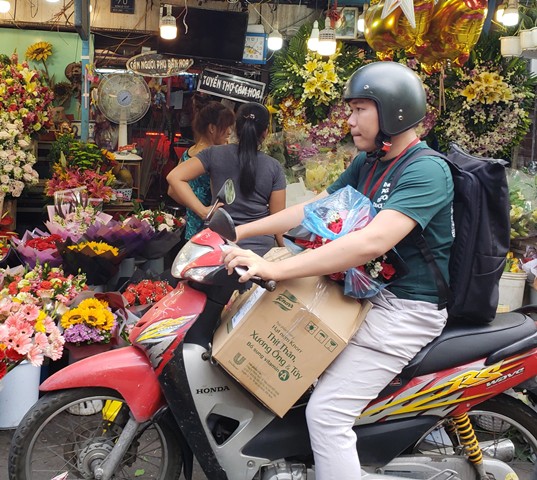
(269, 285)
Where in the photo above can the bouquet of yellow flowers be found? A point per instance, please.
(98, 260)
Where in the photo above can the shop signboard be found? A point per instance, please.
(229, 86)
(153, 64)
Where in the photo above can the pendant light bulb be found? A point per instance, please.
(168, 24)
(327, 42)
(5, 6)
(313, 41)
(275, 40)
(510, 15)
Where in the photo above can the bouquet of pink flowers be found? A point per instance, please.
(47, 287)
(27, 332)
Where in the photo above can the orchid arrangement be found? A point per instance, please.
(91, 321)
(24, 98)
(27, 332)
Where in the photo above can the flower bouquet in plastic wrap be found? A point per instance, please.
(98, 260)
(38, 247)
(342, 212)
(167, 232)
(73, 213)
(130, 235)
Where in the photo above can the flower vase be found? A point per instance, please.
(19, 390)
(78, 352)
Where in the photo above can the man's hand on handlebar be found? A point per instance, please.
(253, 264)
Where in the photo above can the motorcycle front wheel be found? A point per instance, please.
(505, 428)
(68, 432)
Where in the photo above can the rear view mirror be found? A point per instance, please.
(222, 223)
(225, 195)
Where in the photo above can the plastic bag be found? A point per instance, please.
(342, 212)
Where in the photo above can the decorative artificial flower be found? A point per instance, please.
(91, 321)
(146, 292)
(26, 333)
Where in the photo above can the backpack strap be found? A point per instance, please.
(416, 235)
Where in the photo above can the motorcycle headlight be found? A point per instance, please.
(198, 274)
(190, 252)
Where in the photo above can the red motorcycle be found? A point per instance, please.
(456, 411)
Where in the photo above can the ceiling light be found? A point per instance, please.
(360, 24)
(510, 14)
(275, 40)
(327, 42)
(4, 6)
(499, 13)
(313, 41)
(168, 24)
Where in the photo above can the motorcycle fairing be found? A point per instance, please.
(452, 391)
(165, 325)
(119, 370)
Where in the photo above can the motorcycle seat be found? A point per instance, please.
(463, 343)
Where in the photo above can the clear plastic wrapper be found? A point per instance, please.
(340, 213)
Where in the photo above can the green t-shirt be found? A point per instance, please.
(424, 192)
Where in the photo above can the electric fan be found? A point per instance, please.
(123, 98)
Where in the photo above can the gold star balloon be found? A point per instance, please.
(407, 6)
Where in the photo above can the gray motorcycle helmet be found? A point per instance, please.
(397, 91)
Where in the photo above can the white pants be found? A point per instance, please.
(394, 331)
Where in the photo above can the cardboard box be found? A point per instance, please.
(277, 343)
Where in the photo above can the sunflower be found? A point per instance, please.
(39, 51)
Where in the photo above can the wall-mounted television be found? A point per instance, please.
(212, 34)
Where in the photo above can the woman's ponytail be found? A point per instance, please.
(252, 122)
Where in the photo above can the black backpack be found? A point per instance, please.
(482, 231)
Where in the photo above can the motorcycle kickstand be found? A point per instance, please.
(106, 470)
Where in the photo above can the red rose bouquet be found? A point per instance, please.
(38, 247)
(146, 292)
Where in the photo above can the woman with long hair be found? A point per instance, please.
(212, 123)
(259, 179)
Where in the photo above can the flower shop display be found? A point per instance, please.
(523, 199)
(27, 332)
(50, 288)
(72, 220)
(78, 164)
(16, 157)
(90, 321)
(146, 292)
(23, 97)
(99, 261)
(36, 247)
(343, 212)
(306, 95)
(167, 231)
